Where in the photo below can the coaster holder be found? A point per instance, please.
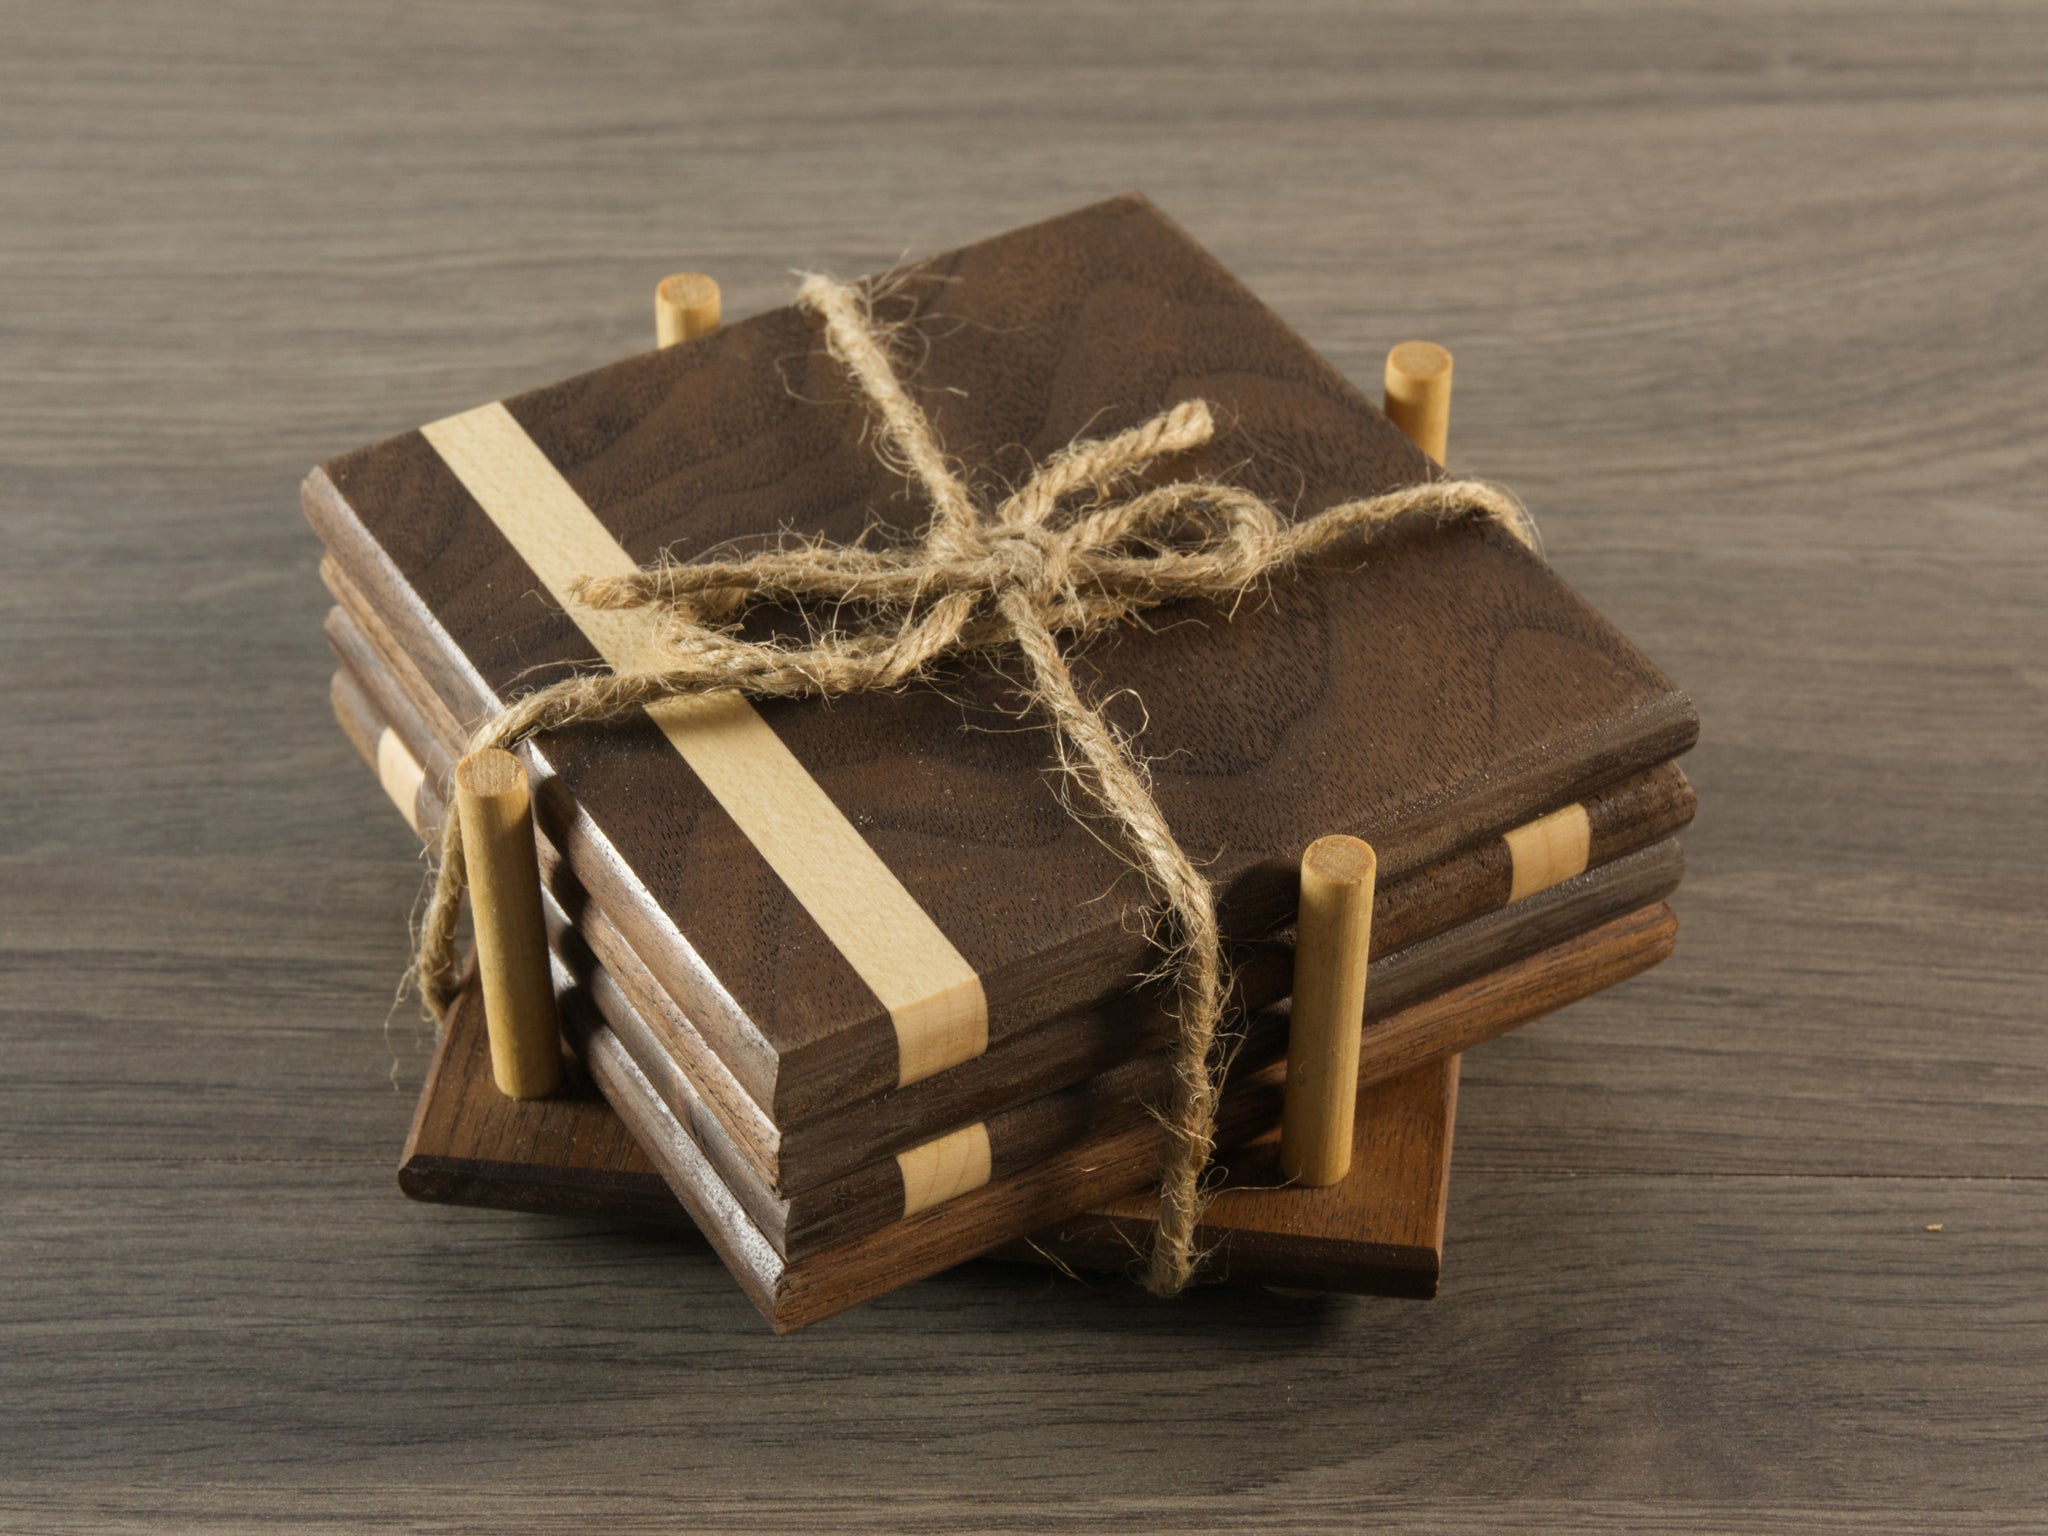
(1334, 918)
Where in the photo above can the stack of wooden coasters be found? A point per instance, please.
(862, 990)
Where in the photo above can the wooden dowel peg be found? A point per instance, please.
(1419, 395)
(686, 304)
(511, 944)
(1331, 944)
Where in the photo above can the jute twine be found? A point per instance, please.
(1063, 559)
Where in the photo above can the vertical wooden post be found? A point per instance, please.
(1333, 940)
(1331, 945)
(511, 944)
(1419, 394)
(686, 304)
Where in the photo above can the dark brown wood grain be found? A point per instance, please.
(1622, 817)
(1451, 893)
(566, 1154)
(1379, 1231)
(1744, 302)
(793, 1293)
(801, 1262)
(870, 1195)
(1444, 688)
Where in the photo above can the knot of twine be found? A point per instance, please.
(1016, 579)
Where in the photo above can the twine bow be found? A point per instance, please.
(1017, 579)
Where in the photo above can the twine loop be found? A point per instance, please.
(1064, 557)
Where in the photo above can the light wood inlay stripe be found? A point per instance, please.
(933, 996)
(1548, 850)
(937, 1170)
(400, 775)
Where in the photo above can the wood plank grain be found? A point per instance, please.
(1688, 1285)
(403, 1351)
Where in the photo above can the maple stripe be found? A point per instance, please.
(934, 998)
(1548, 850)
(937, 1170)
(400, 775)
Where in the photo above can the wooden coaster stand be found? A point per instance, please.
(1337, 873)
(1294, 1210)
(1379, 1230)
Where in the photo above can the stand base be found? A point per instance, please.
(1379, 1231)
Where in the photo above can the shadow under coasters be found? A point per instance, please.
(1379, 1231)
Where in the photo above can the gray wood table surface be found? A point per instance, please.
(1752, 305)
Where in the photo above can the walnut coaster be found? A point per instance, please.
(1377, 1231)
